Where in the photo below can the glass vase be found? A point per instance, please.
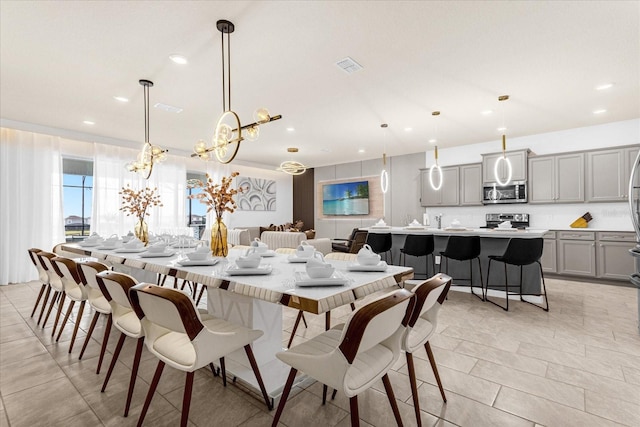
(219, 239)
(142, 231)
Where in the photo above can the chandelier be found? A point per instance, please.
(150, 154)
(503, 158)
(291, 166)
(229, 131)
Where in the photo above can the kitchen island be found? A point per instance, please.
(492, 241)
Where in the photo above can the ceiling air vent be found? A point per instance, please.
(168, 108)
(348, 65)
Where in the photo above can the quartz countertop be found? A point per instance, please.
(529, 233)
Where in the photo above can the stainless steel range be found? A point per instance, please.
(518, 220)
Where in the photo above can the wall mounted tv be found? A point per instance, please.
(347, 198)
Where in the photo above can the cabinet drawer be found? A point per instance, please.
(549, 235)
(576, 235)
(619, 236)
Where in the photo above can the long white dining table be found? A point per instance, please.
(256, 300)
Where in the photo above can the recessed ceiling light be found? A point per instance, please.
(326, 150)
(486, 112)
(408, 129)
(121, 98)
(361, 150)
(89, 122)
(604, 86)
(433, 141)
(502, 129)
(599, 111)
(178, 59)
(168, 108)
(290, 129)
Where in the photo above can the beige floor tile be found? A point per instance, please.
(489, 339)
(87, 418)
(631, 375)
(614, 357)
(504, 358)
(607, 387)
(24, 374)
(306, 409)
(545, 412)
(613, 409)
(555, 391)
(21, 349)
(45, 404)
(14, 332)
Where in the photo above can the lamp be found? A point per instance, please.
(384, 175)
(292, 167)
(150, 154)
(228, 134)
(504, 157)
(436, 166)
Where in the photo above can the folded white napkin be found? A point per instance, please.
(415, 223)
(381, 222)
(505, 224)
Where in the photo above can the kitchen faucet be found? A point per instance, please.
(439, 221)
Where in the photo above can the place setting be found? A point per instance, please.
(200, 257)
(248, 265)
(157, 250)
(262, 249)
(367, 260)
(318, 272)
(131, 245)
(304, 252)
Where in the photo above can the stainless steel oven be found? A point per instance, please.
(514, 192)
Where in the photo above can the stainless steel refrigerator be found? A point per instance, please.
(634, 206)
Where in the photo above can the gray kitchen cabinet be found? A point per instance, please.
(576, 253)
(556, 179)
(447, 195)
(630, 156)
(518, 161)
(471, 184)
(608, 173)
(549, 253)
(613, 257)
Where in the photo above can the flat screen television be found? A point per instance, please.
(344, 199)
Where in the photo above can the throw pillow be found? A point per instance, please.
(311, 234)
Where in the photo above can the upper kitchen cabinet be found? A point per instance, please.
(471, 184)
(447, 195)
(518, 164)
(556, 179)
(608, 173)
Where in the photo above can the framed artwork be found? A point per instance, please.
(257, 195)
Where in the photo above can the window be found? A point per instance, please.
(77, 186)
(196, 211)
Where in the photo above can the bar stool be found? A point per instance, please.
(464, 248)
(381, 244)
(519, 252)
(419, 245)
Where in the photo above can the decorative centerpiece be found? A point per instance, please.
(137, 203)
(218, 197)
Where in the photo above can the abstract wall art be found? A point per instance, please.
(257, 195)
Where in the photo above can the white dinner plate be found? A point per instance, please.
(336, 279)
(89, 244)
(381, 266)
(234, 270)
(296, 258)
(202, 262)
(106, 248)
(415, 227)
(130, 250)
(157, 254)
(267, 254)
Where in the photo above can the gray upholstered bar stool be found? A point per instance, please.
(464, 248)
(520, 252)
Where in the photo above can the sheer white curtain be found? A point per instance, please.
(110, 176)
(31, 200)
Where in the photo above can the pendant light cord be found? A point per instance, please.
(146, 114)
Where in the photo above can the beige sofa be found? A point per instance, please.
(275, 239)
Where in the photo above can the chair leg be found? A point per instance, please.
(116, 353)
(355, 416)
(223, 372)
(186, 400)
(60, 307)
(432, 361)
(304, 320)
(105, 340)
(392, 399)
(152, 390)
(471, 278)
(327, 321)
(285, 395)
(353, 307)
(55, 296)
(213, 370)
(89, 333)
(544, 290)
(38, 299)
(256, 371)
(44, 304)
(324, 394)
(414, 387)
(202, 288)
(506, 288)
(66, 317)
(295, 327)
(134, 374)
(77, 325)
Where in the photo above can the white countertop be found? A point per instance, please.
(462, 231)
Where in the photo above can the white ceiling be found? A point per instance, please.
(63, 62)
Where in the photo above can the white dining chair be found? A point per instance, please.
(115, 288)
(430, 295)
(42, 277)
(185, 339)
(352, 357)
(88, 271)
(55, 282)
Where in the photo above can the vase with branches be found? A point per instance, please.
(137, 203)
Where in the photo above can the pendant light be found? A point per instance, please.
(384, 175)
(228, 134)
(291, 166)
(503, 158)
(150, 154)
(436, 167)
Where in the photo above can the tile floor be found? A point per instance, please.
(578, 365)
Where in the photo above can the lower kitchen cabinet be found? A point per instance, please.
(576, 257)
(549, 254)
(614, 261)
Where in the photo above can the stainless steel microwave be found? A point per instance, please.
(514, 192)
